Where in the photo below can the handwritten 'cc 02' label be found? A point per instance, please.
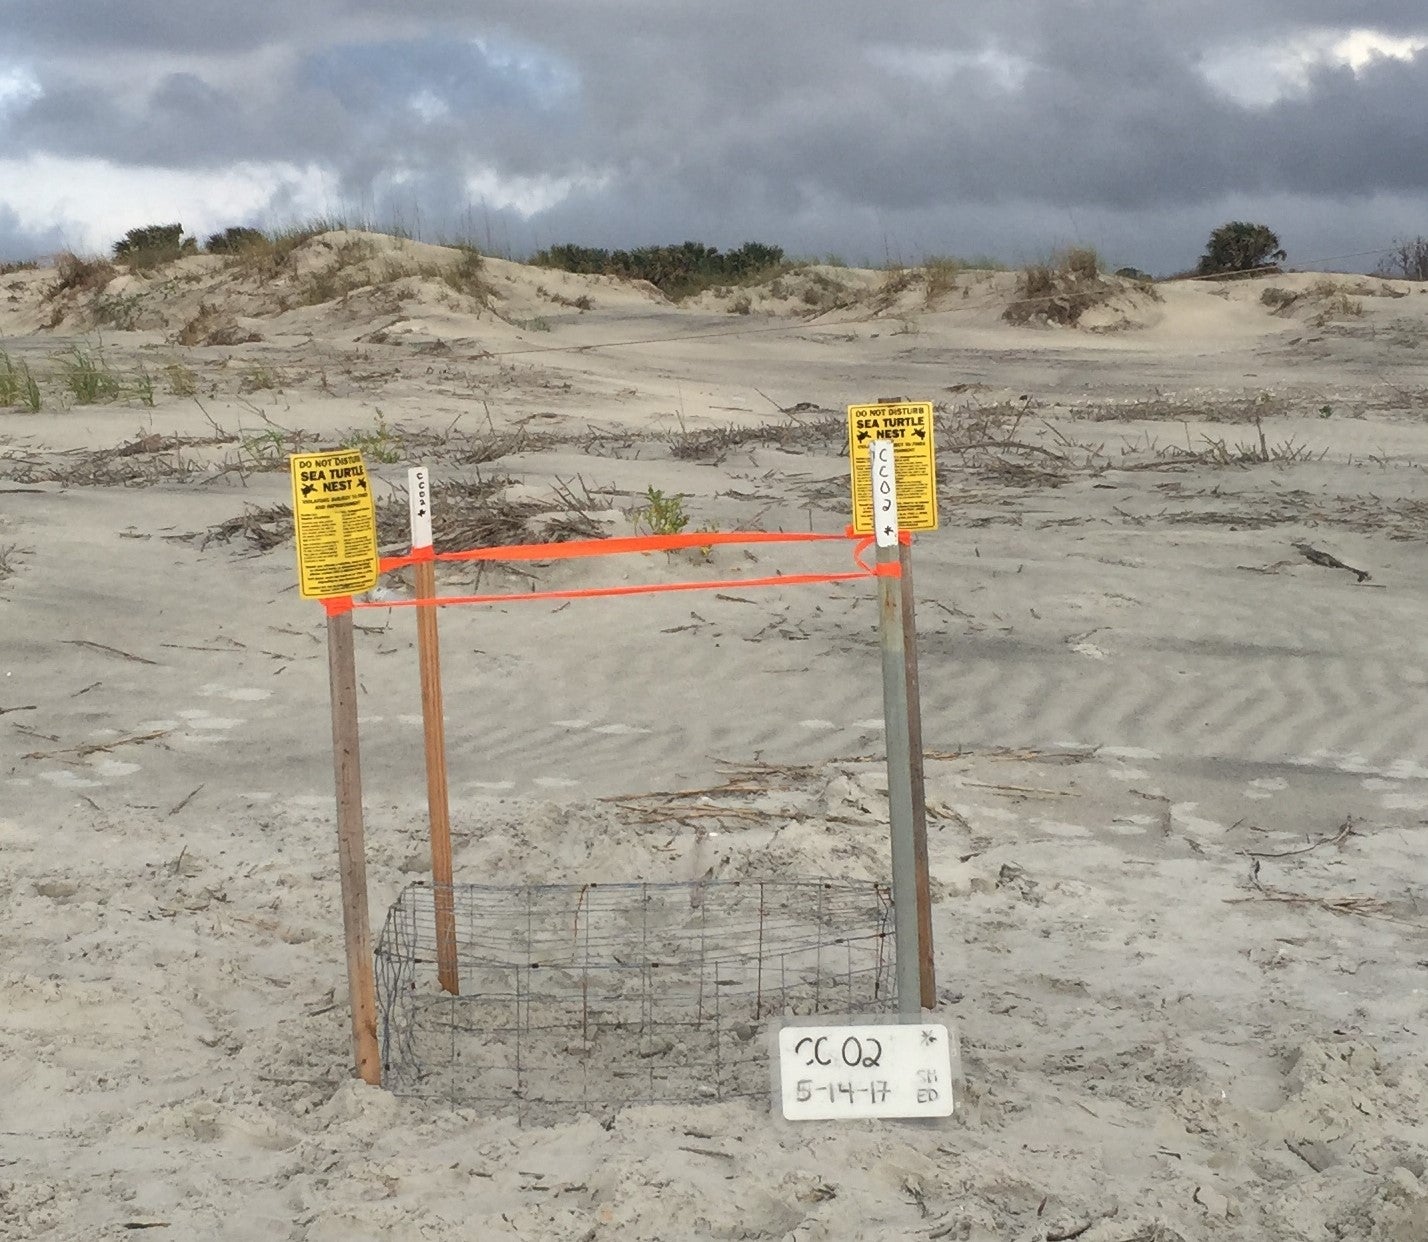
(828, 1072)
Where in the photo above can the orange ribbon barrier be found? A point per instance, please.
(612, 547)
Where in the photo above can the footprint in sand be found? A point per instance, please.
(612, 730)
(204, 725)
(238, 694)
(1265, 787)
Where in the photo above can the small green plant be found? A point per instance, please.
(1326, 411)
(741, 305)
(30, 391)
(664, 515)
(264, 450)
(381, 443)
(538, 324)
(259, 378)
(88, 377)
(143, 388)
(182, 381)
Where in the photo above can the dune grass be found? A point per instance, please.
(18, 386)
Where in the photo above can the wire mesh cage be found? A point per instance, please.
(600, 996)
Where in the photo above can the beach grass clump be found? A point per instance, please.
(380, 442)
(467, 275)
(1333, 303)
(236, 239)
(18, 386)
(120, 311)
(88, 377)
(77, 275)
(1059, 290)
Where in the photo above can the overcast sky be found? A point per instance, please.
(875, 131)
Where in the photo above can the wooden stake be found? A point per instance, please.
(928, 970)
(895, 719)
(351, 852)
(434, 728)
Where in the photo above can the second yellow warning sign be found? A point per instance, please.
(336, 522)
(908, 425)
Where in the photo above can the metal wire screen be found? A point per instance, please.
(600, 996)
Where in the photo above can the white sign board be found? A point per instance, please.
(830, 1072)
(884, 473)
(419, 501)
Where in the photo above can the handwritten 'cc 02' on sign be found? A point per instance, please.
(883, 1070)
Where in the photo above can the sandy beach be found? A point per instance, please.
(1174, 679)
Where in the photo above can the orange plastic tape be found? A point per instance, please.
(655, 588)
(613, 547)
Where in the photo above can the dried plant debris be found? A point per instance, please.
(1206, 408)
(141, 462)
(715, 443)
(465, 514)
(262, 528)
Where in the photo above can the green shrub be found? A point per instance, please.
(235, 239)
(152, 245)
(1240, 248)
(676, 271)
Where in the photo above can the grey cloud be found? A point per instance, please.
(745, 119)
(18, 242)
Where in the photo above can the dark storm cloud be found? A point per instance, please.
(18, 242)
(790, 122)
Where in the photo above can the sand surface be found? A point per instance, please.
(1177, 776)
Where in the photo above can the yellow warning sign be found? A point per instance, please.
(908, 425)
(336, 522)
